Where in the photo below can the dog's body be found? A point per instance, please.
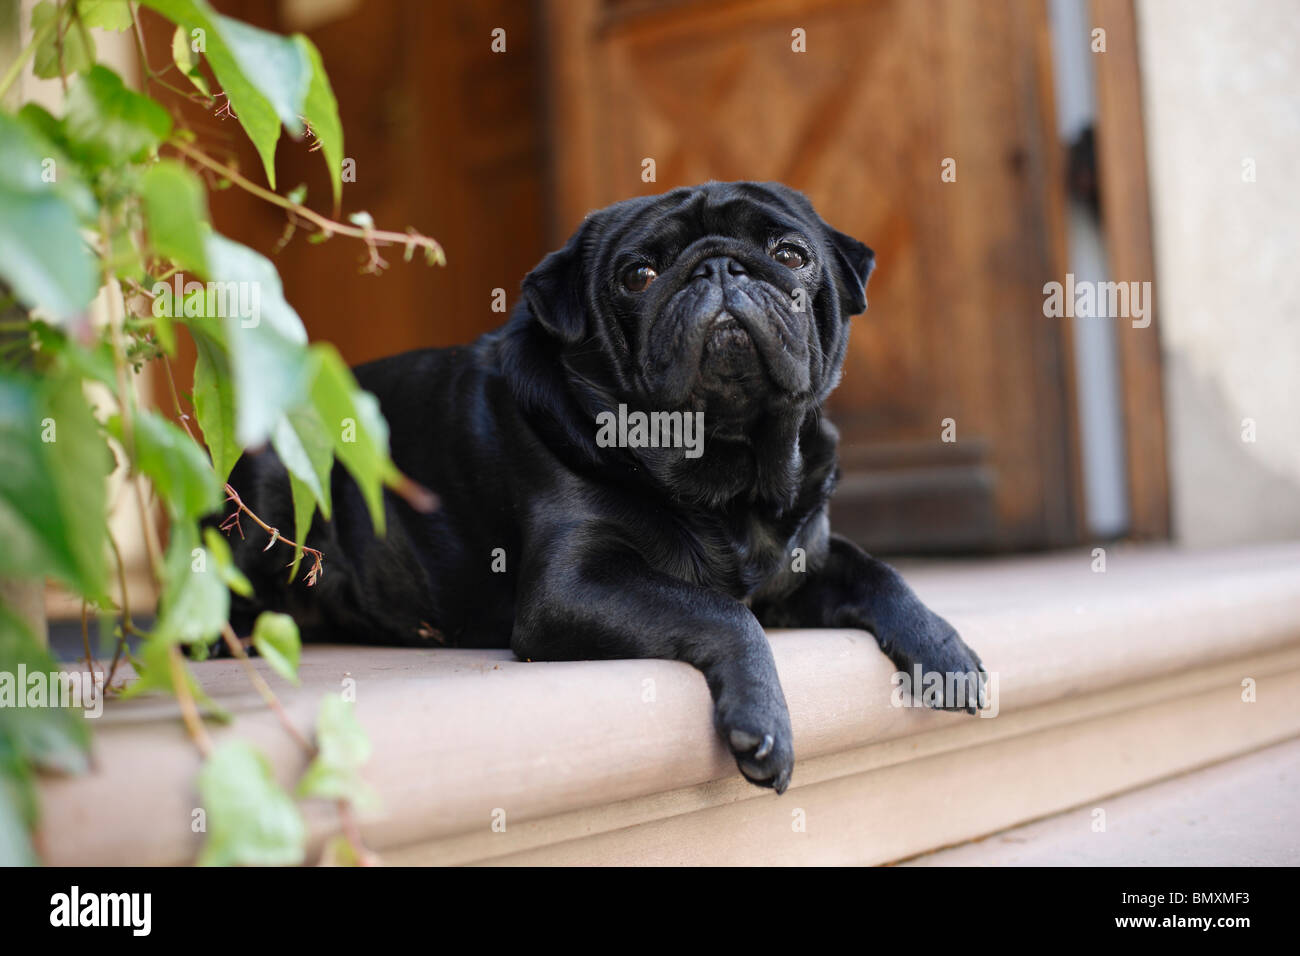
(726, 300)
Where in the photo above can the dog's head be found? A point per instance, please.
(730, 299)
(721, 297)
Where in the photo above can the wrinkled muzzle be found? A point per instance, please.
(726, 330)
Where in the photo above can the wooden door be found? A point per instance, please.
(955, 338)
(500, 154)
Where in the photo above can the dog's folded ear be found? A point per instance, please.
(554, 291)
(855, 263)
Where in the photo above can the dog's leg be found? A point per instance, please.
(853, 589)
(605, 602)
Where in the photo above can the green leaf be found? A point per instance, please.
(342, 749)
(105, 14)
(53, 738)
(187, 61)
(42, 256)
(251, 820)
(40, 122)
(153, 665)
(53, 465)
(196, 599)
(176, 212)
(50, 737)
(267, 350)
(248, 103)
(339, 851)
(306, 449)
(276, 638)
(214, 403)
(17, 769)
(46, 138)
(279, 66)
(110, 125)
(165, 332)
(304, 508)
(322, 112)
(269, 79)
(16, 794)
(125, 257)
(174, 463)
(219, 551)
(67, 357)
(352, 418)
(64, 49)
(307, 452)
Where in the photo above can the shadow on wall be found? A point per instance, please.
(1237, 496)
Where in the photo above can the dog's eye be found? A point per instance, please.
(789, 256)
(638, 278)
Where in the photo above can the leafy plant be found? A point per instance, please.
(106, 252)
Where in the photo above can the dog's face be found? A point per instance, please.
(728, 298)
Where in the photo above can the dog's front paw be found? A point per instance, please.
(756, 727)
(941, 669)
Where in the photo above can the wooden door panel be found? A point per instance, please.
(862, 122)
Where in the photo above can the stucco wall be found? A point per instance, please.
(1221, 88)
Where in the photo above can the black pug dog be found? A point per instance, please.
(565, 538)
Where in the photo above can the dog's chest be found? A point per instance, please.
(741, 554)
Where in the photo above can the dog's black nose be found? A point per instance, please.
(714, 268)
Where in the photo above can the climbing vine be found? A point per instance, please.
(106, 255)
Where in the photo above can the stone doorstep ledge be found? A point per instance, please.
(1106, 681)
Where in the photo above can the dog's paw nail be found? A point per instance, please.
(758, 734)
(782, 781)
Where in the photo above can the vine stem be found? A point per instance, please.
(352, 833)
(16, 68)
(150, 74)
(128, 625)
(372, 237)
(263, 688)
(347, 819)
(348, 823)
(126, 399)
(85, 638)
(318, 557)
(189, 710)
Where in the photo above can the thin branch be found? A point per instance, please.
(263, 688)
(232, 522)
(126, 399)
(352, 833)
(128, 625)
(91, 663)
(318, 559)
(373, 238)
(189, 710)
(347, 819)
(149, 73)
